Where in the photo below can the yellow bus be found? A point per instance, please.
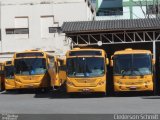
(60, 77)
(86, 71)
(31, 70)
(9, 76)
(2, 83)
(132, 70)
(57, 71)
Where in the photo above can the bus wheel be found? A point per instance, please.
(102, 94)
(1, 87)
(72, 95)
(45, 90)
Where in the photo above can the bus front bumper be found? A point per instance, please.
(96, 89)
(28, 85)
(144, 87)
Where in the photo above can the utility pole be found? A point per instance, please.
(155, 7)
(158, 9)
(131, 8)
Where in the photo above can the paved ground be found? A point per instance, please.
(46, 103)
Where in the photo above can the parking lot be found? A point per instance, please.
(61, 103)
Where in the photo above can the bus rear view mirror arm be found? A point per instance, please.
(111, 63)
(153, 61)
(107, 61)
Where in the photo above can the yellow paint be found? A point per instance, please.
(9, 81)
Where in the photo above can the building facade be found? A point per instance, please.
(36, 24)
(126, 9)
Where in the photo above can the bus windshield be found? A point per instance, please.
(30, 66)
(132, 64)
(85, 67)
(9, 72)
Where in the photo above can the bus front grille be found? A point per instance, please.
(86, 80)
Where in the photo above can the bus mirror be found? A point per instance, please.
(153, 61)
(64, 62)
(48, 61)
(58, 63)
(111, 63)
(107, 61)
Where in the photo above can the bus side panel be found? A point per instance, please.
(10, 84)
(62, 76)
(51, 71)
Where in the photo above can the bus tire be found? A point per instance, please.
(103, 94)
(2, 87)
(45, 90)
(72, 95)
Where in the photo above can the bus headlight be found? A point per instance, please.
(119, 82)
(17, 80)
(70, 83)
(147, 82)
(101, 83)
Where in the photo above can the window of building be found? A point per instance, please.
(21, 22)
(47, 26)
(54, 29)
(21, 29)
(93, 1)
(17, 31)
(153, 9)
(110, 11)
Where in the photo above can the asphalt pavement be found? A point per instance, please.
(61, 103)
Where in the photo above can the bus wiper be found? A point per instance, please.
(123, 72)
(74, 73)
(126, 71)
(141, 74)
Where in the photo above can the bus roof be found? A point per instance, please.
(91, 52)
(132, 51)
(20, 54)
(86, 49)
(27, 51)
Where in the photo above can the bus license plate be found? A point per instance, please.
(133, 88)
(29, 86)
(86, 90)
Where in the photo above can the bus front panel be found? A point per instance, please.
(133, 72)
(133, 83)
(86, 74)
(31, 73)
